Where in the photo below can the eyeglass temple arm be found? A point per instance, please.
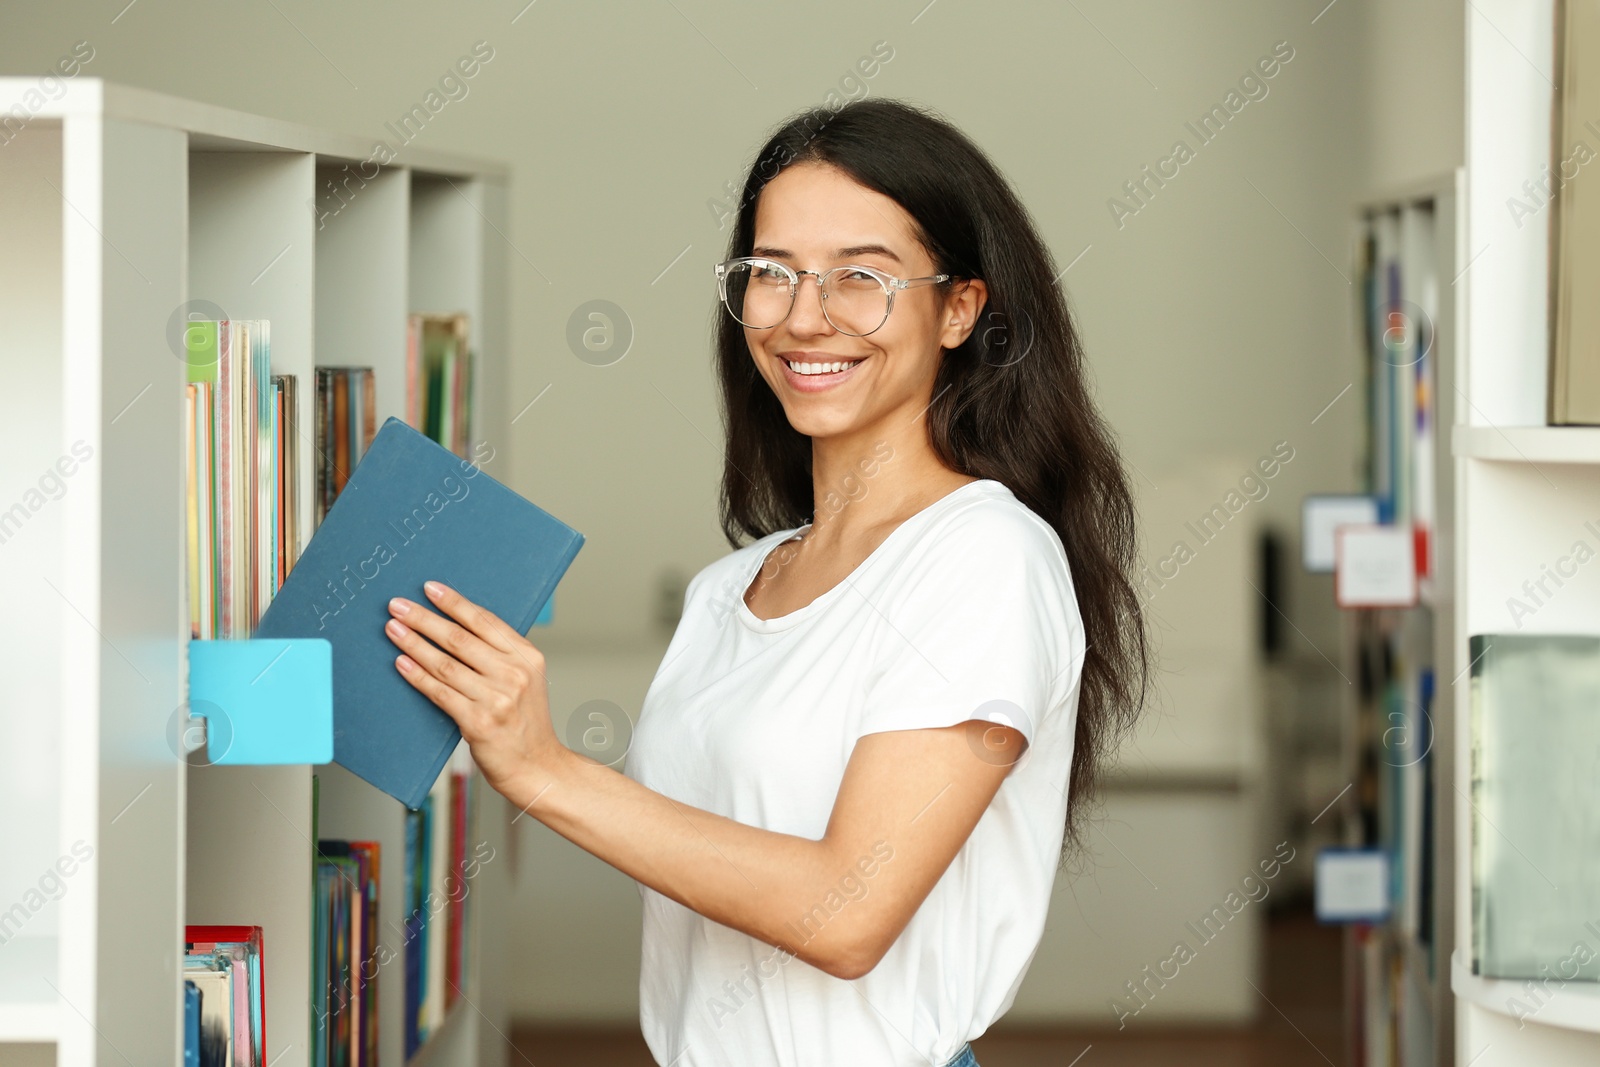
(907, 283)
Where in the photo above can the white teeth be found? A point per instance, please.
(819, 368)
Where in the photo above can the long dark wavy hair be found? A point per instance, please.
(1011, 403)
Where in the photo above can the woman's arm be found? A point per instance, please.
(907, 802)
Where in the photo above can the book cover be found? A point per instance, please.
(1535, 710)
(412, 511)
(1573, 392)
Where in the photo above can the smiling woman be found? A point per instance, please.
(929, 676)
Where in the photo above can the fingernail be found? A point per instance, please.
(398, 606)
(434, 589)
(404, 663)
(396, 627)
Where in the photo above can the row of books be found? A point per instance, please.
(345, 958)
(243, 445)
(224, 1009)
(1393, 1011)
(1396, 757)
(1396, 967)
(347, 419)
(439, 367)
(440, 866)
(1399, 292)
(351, 949)
(241, 459)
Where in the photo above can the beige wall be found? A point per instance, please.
(1217, 318)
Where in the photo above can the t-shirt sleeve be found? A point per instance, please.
(983, 626)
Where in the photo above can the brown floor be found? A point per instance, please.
(1301, 1025)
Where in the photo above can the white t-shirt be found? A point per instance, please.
(965, 611)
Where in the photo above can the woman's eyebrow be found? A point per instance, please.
(843, 253)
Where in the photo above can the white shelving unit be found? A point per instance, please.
(1524, 489)
(118, 206)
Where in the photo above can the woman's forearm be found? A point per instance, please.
(759, 882)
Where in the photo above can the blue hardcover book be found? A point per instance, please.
(411, 511)
(191, 1025)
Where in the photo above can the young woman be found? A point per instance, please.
(877, 725)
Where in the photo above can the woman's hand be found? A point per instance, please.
(484, 675)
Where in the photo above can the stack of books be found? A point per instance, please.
(225, 1015)
(241, 460)
(439, 379)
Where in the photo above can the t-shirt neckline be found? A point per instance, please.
(783, 622)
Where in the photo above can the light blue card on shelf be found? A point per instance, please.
(545, 613)
(265, 701)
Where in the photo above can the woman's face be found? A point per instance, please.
(813, 217)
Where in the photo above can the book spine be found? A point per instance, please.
(438, 920)
(320, 460)
(192, 505)
(369, 409)
(266, 471)
(249, 458)
(341, 431)
(1477, 649)
(413, 340)
(291, 473)
(206, 508)
(226, 406)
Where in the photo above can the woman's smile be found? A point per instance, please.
(815, 372)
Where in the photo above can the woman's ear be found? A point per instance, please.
(962, 306)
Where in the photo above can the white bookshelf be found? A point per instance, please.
(116, 207)
(1525, 489)
(1529, 444)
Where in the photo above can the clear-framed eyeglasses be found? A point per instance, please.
(759, 293)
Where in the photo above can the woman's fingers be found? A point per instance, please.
(485, 624)
(452, 638)
(445, 698)
(490, 628)
(442, 665)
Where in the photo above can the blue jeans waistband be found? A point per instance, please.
(964, 1058)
